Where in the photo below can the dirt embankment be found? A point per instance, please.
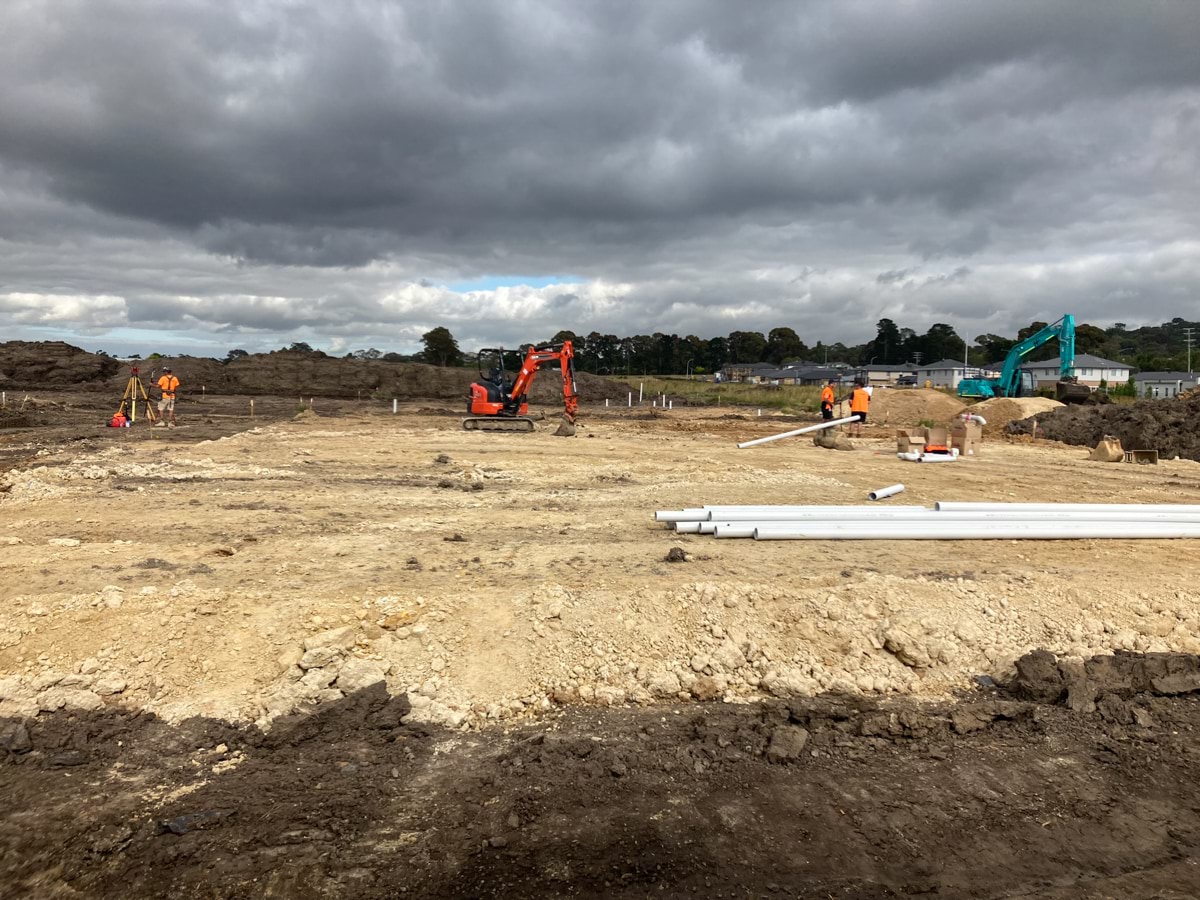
(1172, 427)
(283, 373)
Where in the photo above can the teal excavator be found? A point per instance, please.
(1013, 382)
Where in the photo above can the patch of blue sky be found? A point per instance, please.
(491, 282)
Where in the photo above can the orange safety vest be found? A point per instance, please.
(827, 396)
(859, 401)
(169, 384)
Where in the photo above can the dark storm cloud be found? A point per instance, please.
(291, 166)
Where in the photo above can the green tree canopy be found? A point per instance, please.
(439, 348)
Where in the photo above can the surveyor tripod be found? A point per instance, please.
(135, 393)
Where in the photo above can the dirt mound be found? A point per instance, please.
(999, 411)
(282, 373)
(911, 407)
(51, 364)
(1172, 427)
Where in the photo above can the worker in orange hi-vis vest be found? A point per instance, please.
(827, 400)
(860, 402)
(169, 385)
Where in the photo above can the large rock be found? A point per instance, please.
(343, 638)
(357, 674)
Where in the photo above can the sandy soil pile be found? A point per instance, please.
(999, 411)
(1172, 427)
(895, 406)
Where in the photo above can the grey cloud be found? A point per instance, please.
(287, 168)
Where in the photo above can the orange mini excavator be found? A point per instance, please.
(497, 404)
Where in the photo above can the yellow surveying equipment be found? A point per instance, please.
(135, 393)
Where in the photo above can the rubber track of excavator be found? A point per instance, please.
(496, 423)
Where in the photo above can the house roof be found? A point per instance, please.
(1167, 377)
(943, 364)
(902, 367)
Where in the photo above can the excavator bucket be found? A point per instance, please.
(1071, 392)
(566, 428)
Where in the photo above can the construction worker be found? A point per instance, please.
(168, 384)
(860, 402)
(827, 400)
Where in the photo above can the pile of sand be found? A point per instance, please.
(897, 406)
(999, 411)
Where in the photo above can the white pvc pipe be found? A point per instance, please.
(936, 519)
(809, 508)
(970, 531)
(688, 527)
(680, 515)
(955, 506)
(820, 426)
(882, 493)
(937, 458)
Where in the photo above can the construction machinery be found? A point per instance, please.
(1014, 382)
(497, 403)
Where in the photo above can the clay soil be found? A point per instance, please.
(351, 654)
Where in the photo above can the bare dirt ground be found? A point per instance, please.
(348, 653)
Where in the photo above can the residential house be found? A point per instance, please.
(1164, 384)
(945, 373)
(880, 375)
(1089, 370)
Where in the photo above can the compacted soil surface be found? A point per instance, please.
(340, 652)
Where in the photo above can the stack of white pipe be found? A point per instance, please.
(946, 521)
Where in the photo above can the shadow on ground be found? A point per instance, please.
(1072, 782)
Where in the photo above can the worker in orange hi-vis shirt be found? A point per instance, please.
(168, 384)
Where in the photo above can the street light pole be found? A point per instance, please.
(688, 370)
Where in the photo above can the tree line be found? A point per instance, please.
(1149, 348)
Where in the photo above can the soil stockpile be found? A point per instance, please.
(42, 365)
(999, 411)
(51, 364)
(895, 406)
(1172, 427)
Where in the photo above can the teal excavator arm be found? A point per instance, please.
(1064, 330)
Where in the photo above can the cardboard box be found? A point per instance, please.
(937, 436)
(910, 439)
(967, 437)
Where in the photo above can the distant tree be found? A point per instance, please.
(784, 344)
(887, 345)
(1091, 339)
(994, 347)
(300, 347)
(440, 348)
(234, 354)
(747, 347)
(393, 357)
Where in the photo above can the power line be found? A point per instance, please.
(1189, 336)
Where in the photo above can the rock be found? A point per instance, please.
(319, 657)
(290, 658)
(12, 688)
(700, 662)
(64, 542)
(15, 738)
(67, 698)
(340, 638)
(357, 674)
(907, 647)
(398, 619)
(663, 684)
(89, 666)
(705, 688)
(318, 678)
(45, 681)
(437, 664)
(728, 656)
(107, 685)
(787, 742)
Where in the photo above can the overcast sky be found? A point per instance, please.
(195, 175)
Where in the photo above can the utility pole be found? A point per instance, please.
(1189, 334)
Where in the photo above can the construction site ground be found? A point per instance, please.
(346, 653)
